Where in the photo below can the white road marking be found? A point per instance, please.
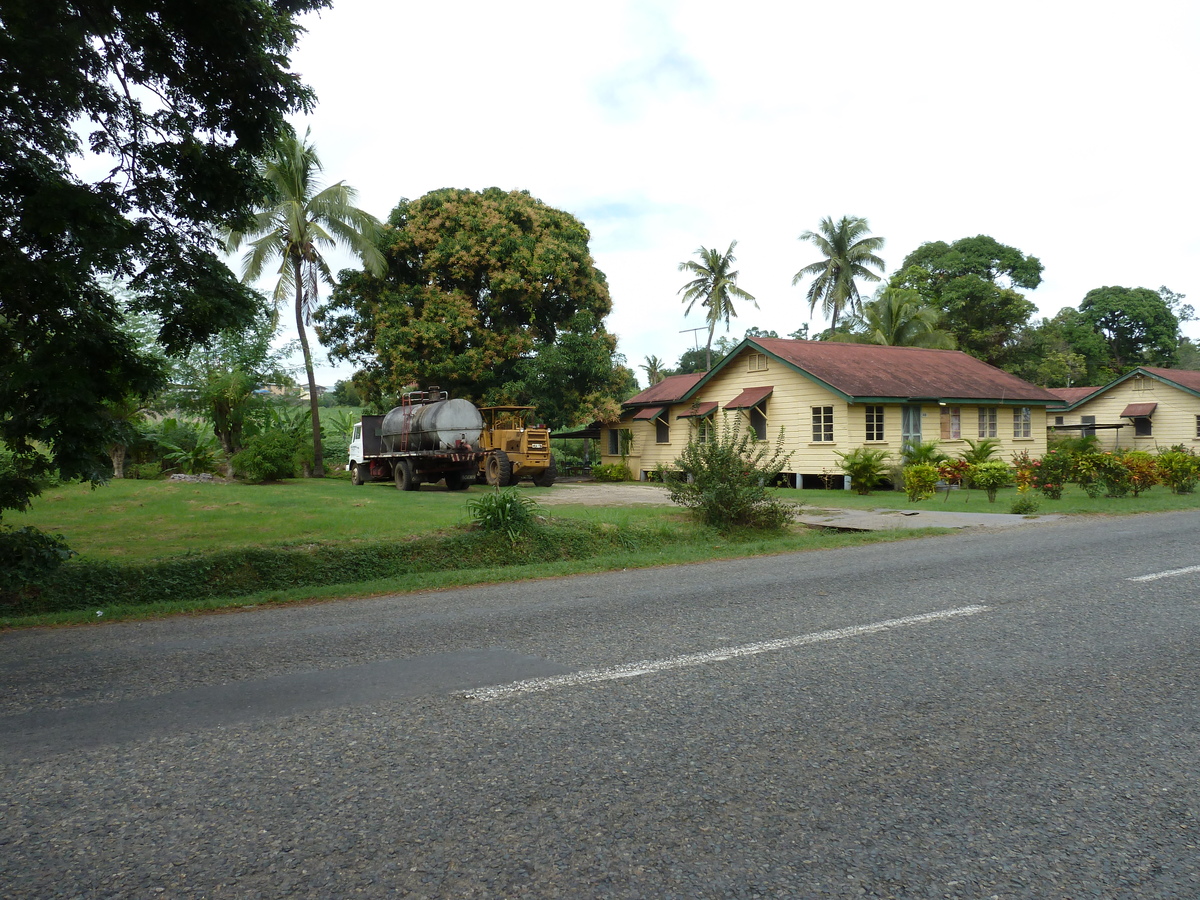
(650, 666)
(1166, 574)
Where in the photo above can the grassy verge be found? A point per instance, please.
(158, 548)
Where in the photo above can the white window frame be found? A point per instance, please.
(875, 419)
(951, 423)
(822, 424)
(756, 362)
(988, 420)
(1022, 422)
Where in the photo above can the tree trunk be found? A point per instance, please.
(318, 469)
(117, 454)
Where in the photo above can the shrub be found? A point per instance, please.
(920, 480)
(990, 476)
(866, 467)
(1143, 470)
(1086, 467)
(1179, 469)
(509, 512)
(923, 452)
(267, 457)
(1113, 475)
(1024, 505)
(726, 479)
(981, 450)
(610, 472)
(27, 557)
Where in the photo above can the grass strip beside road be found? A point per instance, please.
(190, 547)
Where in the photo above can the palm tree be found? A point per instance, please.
(654, 370)
(714, 286)
(849, 253)
(897, 317)
(293, 223)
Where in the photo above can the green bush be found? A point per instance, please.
(1024, 505)
(27, 557)
(990, 476)
(267, 457)
(1086, 469)
(923, 453)
(920, 481)
(1113, 475)
(611, 472)
(726, 480)
(867, 468)
(1142, 469)
(981, 450)
(508, 511)
(1179, 469)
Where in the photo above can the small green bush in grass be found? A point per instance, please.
(990, 476)
(920, 481)
(28, 556)
(1024, 505)
(269, 456)
(1179, 469)
(509, 512)
(611, 472)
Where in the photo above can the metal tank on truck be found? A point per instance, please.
(428, 437)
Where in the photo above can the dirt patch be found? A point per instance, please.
(591, 493)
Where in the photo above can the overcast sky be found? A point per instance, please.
(1067, 130)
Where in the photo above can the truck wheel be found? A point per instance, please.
(358, 475)
(546, 477)
(499, 469)
(405, 480)
(455, 481)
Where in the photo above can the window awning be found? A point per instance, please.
(650, 412)
(750, 397)
(698, 411)
(1138, 410)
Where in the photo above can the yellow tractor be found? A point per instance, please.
(514, 448)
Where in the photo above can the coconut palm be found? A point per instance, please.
(848, 253)
(897, 317)
(653, 368)
(714, 287)
(298, 219)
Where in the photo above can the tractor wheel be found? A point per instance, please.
(546, 477)
(405, 479)
(358, 474)
(456, 481)
(499, 469)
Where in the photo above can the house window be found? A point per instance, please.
(1022, 422)
(614, 442)
(822, 422)
(1089, 425)
(874, 423)
(757, 362)
(1141, 426)
(758, 421)
(662, 430)
(951, 423)
(987, 421)
(705, 429)
(1058, 420)
(1198, 428)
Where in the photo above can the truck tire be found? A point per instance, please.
(358, 475)
(456, 481)
(499, 469)
(546, 477)
(405, 479)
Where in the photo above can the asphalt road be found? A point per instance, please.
(1002, 714)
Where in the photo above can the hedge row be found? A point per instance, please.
(83, 584)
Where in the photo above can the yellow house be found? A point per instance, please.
(1146, 409)
(829, 397)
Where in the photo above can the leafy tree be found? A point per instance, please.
(714, 286)
(180, 103)
(1137, 324)
(973, 282)
(753, 332)
(1188, 354)
(477, 285)
(297, 218)
(848, 253)
(897, 317)
(346, 394)
(1061, 352)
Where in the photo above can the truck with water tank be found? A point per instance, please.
(429, 437)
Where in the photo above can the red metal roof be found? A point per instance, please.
(872, 370)
(1137, 410)
(702, 410)
(750, 397)
(669, 390)
(650, 412)
(1072, 394)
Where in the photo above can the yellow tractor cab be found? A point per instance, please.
(514, 448)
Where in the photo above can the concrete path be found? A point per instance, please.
(925, 517)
